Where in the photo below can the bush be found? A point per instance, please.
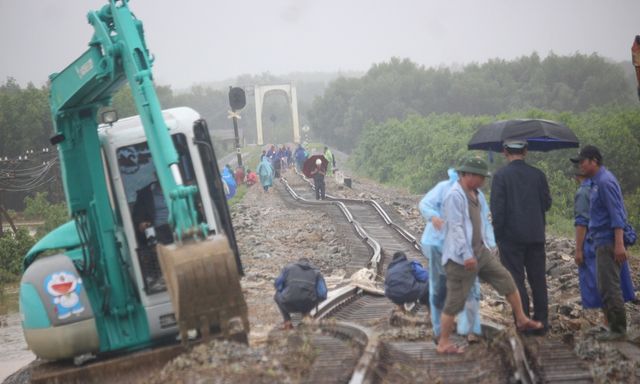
(416, 152)
(13, 248)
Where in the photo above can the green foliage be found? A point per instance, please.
(13, 247)
(38, 207)
(400, 88)
(25, 121)
(240, 192)
(417, 151)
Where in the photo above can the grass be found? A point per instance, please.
(560, 226)
(240, 192)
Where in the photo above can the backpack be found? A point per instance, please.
(300, 289)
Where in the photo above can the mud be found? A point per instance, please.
(13, 349)
(271, 234)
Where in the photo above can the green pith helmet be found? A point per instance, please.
(474, 164)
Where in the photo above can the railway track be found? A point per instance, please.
(392, 359)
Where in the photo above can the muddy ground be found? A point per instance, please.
(271, 234)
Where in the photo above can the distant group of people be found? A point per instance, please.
(273, 162)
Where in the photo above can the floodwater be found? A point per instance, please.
(13, 349)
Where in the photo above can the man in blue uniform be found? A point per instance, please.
(585, 256)
(607, 221)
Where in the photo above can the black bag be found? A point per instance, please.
(629, 235)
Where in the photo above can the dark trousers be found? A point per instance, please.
(318, 181)
(519, 258)
(286, 309)
(608, 271)
(422, 296)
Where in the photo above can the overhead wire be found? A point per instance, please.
(14, 179)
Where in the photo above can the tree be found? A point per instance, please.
(13, 248)
(399, 88)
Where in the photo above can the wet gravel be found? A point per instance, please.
(272, 233)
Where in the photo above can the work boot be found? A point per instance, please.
(287, 325)
(618, 321)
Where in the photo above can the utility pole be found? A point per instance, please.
(237, 101)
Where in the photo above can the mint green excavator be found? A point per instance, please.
(109, 281)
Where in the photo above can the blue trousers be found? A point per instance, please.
(469, 318)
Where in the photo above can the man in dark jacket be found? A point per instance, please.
(299, 288)
(406, 281)
(151, 211)
(318, 174)
(519, 200)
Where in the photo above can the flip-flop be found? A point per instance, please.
(530, 325)
(452, 349)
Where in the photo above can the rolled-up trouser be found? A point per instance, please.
(609, 287)
(460, 281)
(469, 318)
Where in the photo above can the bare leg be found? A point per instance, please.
(446, 326)
(521, 319)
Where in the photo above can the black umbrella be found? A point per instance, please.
(310, 164)
(541, 135)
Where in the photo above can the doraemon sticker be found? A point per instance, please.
(64, 288)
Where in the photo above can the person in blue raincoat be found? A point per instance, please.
(265, 172)
(431, 209)
(300, 155)
(585, 256)
(229, 180)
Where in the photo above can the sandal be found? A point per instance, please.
(451, 349)
(530, 325)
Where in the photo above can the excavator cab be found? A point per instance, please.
(200, 278)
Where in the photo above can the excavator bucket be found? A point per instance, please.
(204, 285)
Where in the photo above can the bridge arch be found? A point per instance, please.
(260, 91)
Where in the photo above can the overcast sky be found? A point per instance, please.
(209, 40)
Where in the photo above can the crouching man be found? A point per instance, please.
(406, 281)
(299, 288)
(467, 252)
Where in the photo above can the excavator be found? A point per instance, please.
(105, 284)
